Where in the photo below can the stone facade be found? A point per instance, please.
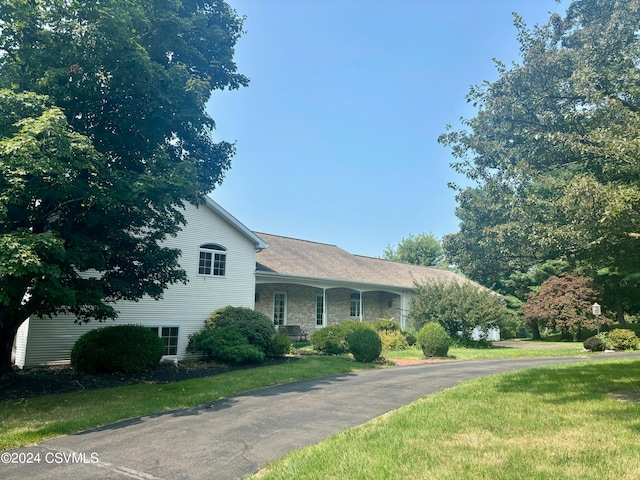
(301, 304)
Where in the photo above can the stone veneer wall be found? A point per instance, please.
(301, 304)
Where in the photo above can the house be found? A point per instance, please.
(293, 282)
(219, 256)
(315, 284)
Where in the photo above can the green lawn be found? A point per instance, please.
(572, 421)
(457, 353)
(35, 419)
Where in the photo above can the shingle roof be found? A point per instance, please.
(303, 258)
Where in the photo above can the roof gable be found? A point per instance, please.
(235, 223)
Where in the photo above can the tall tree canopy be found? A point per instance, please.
(103, 136)
(423, 249)
(554, 153)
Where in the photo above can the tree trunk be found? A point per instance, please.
(7, 336)
(620, 311)
(535, 331)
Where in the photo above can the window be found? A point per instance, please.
(320, 310)
(279, 308)
(169, 336)
(355, 305)
(213, 260)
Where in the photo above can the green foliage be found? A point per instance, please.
(281, 345)
(594, 344)
(410, 336)
(226, 344)
(622, 339)
(393, 340)
(552, 153)
(104, 135)
(433, 340)
(117, 349)
(388, 324)
(364, 344)
(423, 249)
(513, 327)
(257, 328)
(332, 340)
(458, 308)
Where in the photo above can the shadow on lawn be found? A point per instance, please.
(577, 383)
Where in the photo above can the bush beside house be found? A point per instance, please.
(238, 335)
(117, 349)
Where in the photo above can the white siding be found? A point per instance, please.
(184, 306)
(21, 343)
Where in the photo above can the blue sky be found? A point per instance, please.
(336, 134)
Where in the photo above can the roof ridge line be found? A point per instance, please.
(300, 240)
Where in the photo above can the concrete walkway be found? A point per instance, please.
(237, 436)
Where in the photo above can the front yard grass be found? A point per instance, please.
(570, 421)
(32, 420)
(459, 353)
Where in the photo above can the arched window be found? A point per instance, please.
(213, 260)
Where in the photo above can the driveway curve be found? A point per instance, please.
(236, 436)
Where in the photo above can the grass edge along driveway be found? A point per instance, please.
(569, 421)
(32, 420)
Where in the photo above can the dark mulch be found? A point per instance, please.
(48, 380)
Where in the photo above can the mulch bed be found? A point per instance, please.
(48, 380)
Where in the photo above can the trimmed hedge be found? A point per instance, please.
(117, 349)
(623, 339)
(225, 344)
(434, 340)
(255, 326)
(332, 340)
(594, 344)
(364, 344)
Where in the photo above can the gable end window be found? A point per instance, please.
(213, 260)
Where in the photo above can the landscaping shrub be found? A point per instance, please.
(393, 340)
(281, 345)
(117, 349)
(329, 340)
(622, 339)
(594, 344)
(465, 342)
(434, 340)
(364, 344)
(386, 324)
(257, 328)
(332, 340)
(225, 344)
(410, 336)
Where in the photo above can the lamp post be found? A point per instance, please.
(596, 310)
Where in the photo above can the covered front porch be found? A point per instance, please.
(316, 305)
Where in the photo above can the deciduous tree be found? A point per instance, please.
(423, 249)
(458, 308)
(103, 137)
(563, 303)
(553, 152)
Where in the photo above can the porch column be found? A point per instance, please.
(361, 306)
(324, 307)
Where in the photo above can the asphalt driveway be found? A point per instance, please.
(237, 436)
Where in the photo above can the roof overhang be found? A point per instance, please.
(275, 277)
(259, 243)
